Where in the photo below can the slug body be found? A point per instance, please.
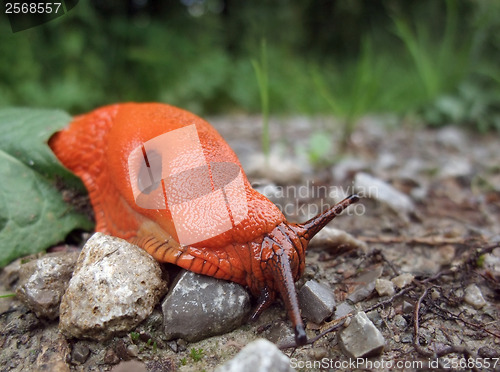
(165, 180)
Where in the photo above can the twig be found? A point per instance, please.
(473, 325)
(337, 324)
(432, 240)
(416, 322)
(387, 261)
(389, 300)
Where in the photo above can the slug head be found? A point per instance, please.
(282, 261)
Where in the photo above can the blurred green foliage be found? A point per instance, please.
(436, 60)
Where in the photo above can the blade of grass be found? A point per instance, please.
(261, 73)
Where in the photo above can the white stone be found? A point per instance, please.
(331, 237)
(371, 187)
(384, 287)
(402, 280)
(260, 355)
(115, 286)
(474, 297)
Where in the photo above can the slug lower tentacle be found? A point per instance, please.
(165, 180)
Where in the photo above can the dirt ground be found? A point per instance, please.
(450, 240)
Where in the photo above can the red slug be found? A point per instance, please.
(165, 180)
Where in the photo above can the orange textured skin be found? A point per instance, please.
(263, 251)
(96, 147)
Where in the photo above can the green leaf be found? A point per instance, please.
(25, 133)
(33, 215)
(320, 146)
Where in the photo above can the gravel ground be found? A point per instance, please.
(447, 238)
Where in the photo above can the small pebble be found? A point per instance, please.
(80, 353)
(317, 301)
(435, 294)
(361, 338)
(474, 297)
(376, 318)
(133, 350)
(330, 237)
(121, 350)
(384, 287)
(400, 322)
(181, 345)
(172, 345)
(402, 280)
(407, 307)
(110, 357)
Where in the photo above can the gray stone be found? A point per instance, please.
(9, 275)
(361, 338)
(115, 286)
(259, 355)
(474, 297)
(451, 137)
(374, 188)
(317, 301)
(199, 306)
(80, 353)
(366, 285)
(400, 322)
(376, 318)
(408, 307)
(43, 282)
(347, 167)
(455, 166)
